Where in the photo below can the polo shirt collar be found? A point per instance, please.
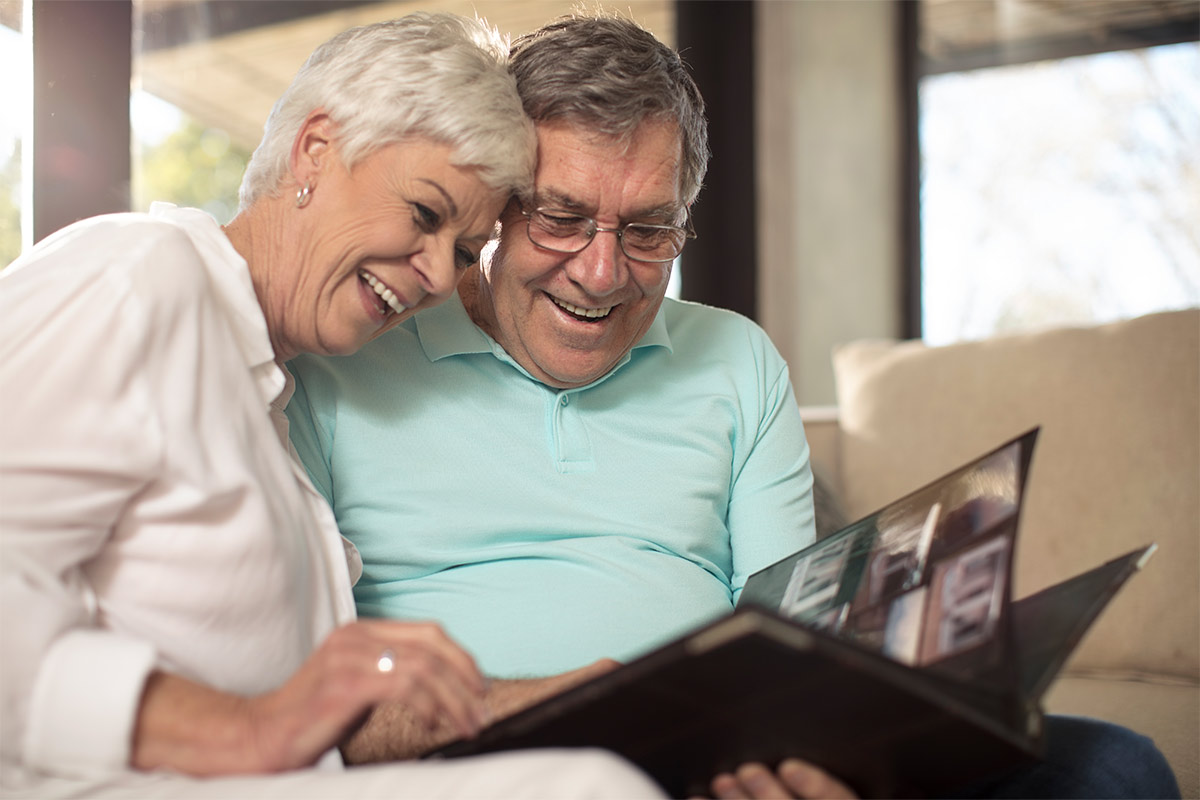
(446, 330)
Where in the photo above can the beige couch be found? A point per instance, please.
(1117, 466)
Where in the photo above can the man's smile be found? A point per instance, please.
(585, 314)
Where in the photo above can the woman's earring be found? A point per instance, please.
(303, 196)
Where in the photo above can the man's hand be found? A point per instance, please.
(392, 732)
(197, 730)
(793, 779)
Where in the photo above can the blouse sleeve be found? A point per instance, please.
(78, 441)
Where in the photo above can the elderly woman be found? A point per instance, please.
(176, 598)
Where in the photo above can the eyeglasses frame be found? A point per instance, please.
(688, 233)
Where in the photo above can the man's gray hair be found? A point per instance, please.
(610, 74)
(438, 76)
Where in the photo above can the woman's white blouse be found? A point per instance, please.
(150, 512)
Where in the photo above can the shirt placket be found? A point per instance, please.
(570, 444)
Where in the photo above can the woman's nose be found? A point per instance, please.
(438, 270)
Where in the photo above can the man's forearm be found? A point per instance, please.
(391, 733)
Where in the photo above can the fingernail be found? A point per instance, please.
(724, 786)
(750, 776)
(759, 782)
(795, 773)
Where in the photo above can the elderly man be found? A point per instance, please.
(565, 467)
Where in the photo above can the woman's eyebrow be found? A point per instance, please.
(449, 200)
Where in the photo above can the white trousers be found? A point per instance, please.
(520, 775)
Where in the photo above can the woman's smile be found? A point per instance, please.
(383, 298)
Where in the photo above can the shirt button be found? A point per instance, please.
(564, 400)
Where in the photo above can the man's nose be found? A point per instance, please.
(601, 267)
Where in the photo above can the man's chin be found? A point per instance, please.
(574, 374)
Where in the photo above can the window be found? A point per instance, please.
(180, 160)
(1061, 191)
(13, 96)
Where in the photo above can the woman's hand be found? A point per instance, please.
(793, 779)
(197, 730)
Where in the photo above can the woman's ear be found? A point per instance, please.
(312, 148)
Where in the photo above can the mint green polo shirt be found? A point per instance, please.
(547, 528)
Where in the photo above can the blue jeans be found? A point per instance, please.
(1085, 758)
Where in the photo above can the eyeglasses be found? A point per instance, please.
(564, 232)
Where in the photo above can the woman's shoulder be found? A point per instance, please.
(109, 242)
(130, 276)
(115, 282)
(132, 253)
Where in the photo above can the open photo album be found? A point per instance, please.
(890, 653)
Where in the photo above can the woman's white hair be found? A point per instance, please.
(438, 76)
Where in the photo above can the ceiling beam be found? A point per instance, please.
(167, 25)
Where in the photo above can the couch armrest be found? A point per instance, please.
(823, 431)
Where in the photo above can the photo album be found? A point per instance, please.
(889, 653)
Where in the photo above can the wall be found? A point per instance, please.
(829, 119)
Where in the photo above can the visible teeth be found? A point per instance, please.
(383, 291)
(590, 313)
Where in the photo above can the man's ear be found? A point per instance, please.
(312, 148)
(514, 205)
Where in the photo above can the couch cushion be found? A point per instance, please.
(1169, 714)
(1117, 464)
